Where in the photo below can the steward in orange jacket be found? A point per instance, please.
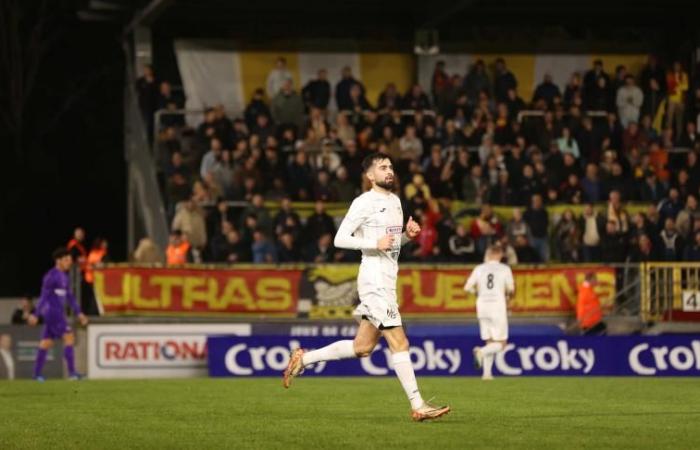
(588, 312)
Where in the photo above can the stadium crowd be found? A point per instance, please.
(601, 144)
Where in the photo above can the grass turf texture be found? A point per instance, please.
(350, 413)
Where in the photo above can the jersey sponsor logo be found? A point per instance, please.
(645, 359)
(515, 360)
(396, 229)
(60, 292)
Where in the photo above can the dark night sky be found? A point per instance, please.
(74, 171)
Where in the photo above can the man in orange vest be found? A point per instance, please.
(77, 248)
(179, 251)
(588, 312)
(97, 256)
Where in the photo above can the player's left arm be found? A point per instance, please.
(471, 285)
(412, 231)
(82, 318)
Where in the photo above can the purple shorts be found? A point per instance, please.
(55, 330)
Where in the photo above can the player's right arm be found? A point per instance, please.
(42, 303)
(510, 286)
(355, 217)
(471, 285)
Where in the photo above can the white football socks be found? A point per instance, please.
(489, 352)
(404, 371)
(332, 352)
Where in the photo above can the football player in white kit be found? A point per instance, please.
(374, 225)
(492, 282)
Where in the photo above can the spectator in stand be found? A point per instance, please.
(320, 222)
(417, 186)
(148, 252)
(410, 146)
(629, 102)
(262, 215)
(538, 220)
(525, 253)
(189, 219)
(600, 97)
(263, 250)
(503, 81)
(591, 226)
(277, 77)
(670, 206)
(147, 92)
(300, 176)
(255, 108)
(573, 89)
(692, 250)
(172, 102)
(613, 244)
(687, 217)
(211, 158)
(590, 79)
(651, 190)
(323, 190)
(179, 250)
(653, 84)
(389, 99)
(287, 248)
(546, 90)
(591, 185)
(236, 250)
(502, 193)
(218, 243)
(515, 104)
(476, 81)
(474, 188)
(22, 313)
(284, 214)
(518, 227)
(317, 93)
(461, 246)
(571, 191)
(343, 88)
(485, 229)
(322, 251)
(416, 99)
(288, 107)
(345, 189)
(76, 248)
(567, 144)
(567, 237)
(439, 81)
(644, 250)
(689, 138)
(677, 85)
(671, 242)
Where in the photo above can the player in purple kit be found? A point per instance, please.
(55, 290)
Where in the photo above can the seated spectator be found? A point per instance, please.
(502, 193)
(518, 227)
(567, 144)
(571, 191)
(671, 205)
(264, 251)
(178, 181)
(525, 252)
(651, 190)
(211, 157)
(218, 244)
(671, 241)
(629, 100)
(345, 189)
(417, 185)
(461, 246)
(692, 250)
(287, 248)
(686, 218)
(567, 237)
(323, 189)
(256, 108)
(613, 244)
(485, 229)
(644, 251)
(21, 315)
(321, 250)
(319, 223)
(529, 186)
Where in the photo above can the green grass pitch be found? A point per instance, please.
(362, 413)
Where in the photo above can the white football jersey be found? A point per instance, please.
(491, 281)
(371, 216)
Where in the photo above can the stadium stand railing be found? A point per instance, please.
(670, 291)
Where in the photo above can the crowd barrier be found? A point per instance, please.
(328, 291)
(452, 356)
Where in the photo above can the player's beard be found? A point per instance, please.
(386, 184)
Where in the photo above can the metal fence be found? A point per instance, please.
(670, 292)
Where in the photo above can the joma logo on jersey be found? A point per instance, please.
(60, 292)
(394, 230)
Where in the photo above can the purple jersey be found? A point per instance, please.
(55, 291)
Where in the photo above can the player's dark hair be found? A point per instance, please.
(372, 157)
(60, 252)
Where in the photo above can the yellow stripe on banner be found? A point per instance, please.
(255, 67)
(634, 63)
(378, 69)
(522, 66)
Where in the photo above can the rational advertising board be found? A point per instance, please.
(153, 350)
(677, 355)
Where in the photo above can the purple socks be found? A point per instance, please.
(40, 361)
(69, 354)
